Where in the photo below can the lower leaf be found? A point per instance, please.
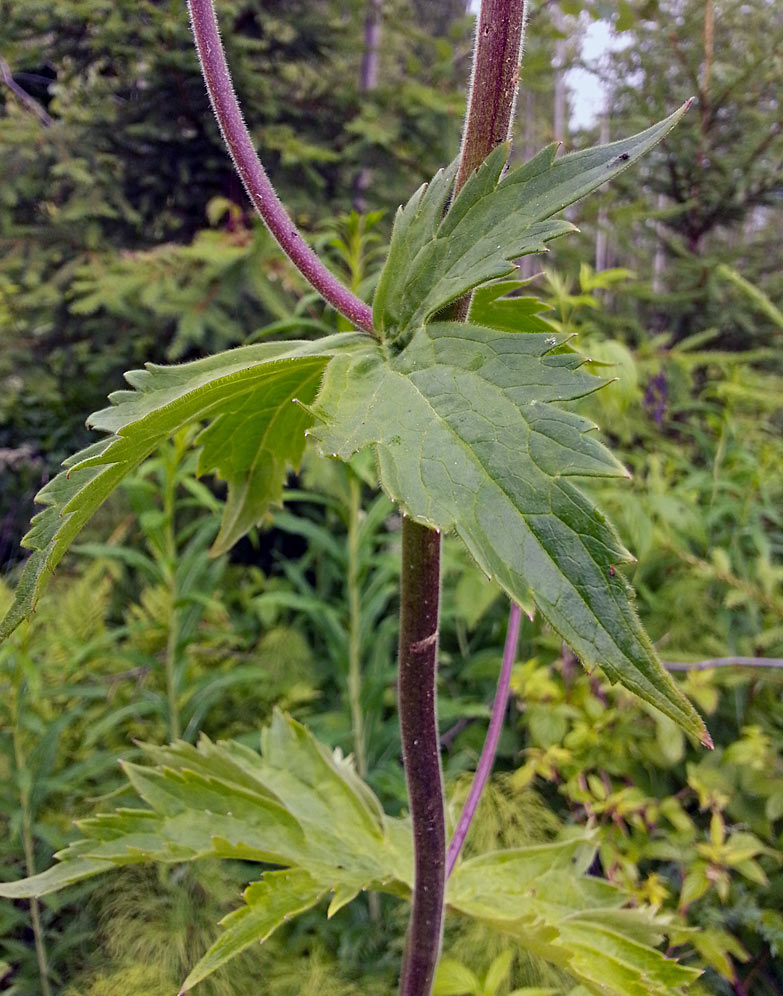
(304, 808)
(271, 902)
(470, 436)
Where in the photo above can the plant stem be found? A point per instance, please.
(493, 88)
(494, 83)
(713, 662)
(253, 175)
(368, 80)
(171, 462)
(419, 611)
(175, 730)
(354, 624)
(28, 845)
(491, 743)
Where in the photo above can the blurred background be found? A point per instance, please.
(125, 237)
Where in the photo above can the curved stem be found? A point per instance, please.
(491, 743)
(253, 175)
(419, 611)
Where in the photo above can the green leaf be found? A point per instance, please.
(53, 879)
(251, 446)
(468, 436)
(303, 807)
(269, 903)
(434, 260)
(452, 978)
(612, 962)
(465, 419)
(492, 306)
(497, 972)
(255, 430)
(536, 991)
(343, 894)
(695, 884)
(536, 896)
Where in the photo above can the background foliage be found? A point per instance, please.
(125, 237)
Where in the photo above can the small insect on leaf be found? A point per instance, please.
(623, 157)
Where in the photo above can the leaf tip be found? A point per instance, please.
(706, 739)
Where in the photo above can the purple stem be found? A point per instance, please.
(491, 743)
(417, 684)
(499, 32)
(253, 175)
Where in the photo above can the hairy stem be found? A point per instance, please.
(253, 175)
(494, 84)
(419, 611)
(487, 758)
(493, 88)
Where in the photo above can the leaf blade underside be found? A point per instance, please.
(465, 419)
(468, 438)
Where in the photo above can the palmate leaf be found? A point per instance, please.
(254, 431)
(299, 806)
(465, 419)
